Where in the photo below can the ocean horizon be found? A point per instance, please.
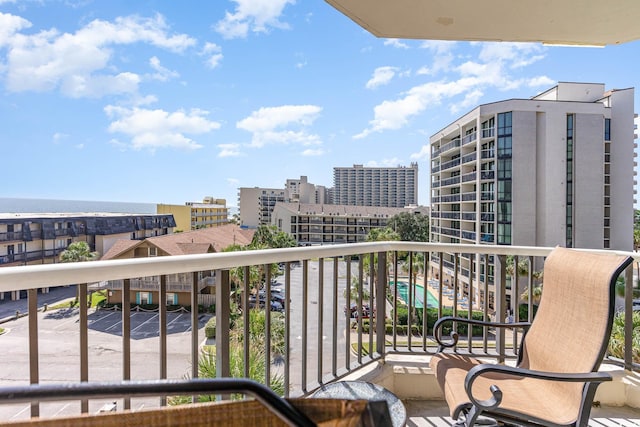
(25, 205)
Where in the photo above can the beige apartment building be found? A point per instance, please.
(556, 169)
(394, 187)
(321, 224)
(210, 212)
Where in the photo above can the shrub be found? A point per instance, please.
(403, 315)
(616, 342)
(210, 328)
(523, 312)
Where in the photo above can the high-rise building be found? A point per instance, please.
(301, 191)
(256, 204)
(376, 186)
(556, 169)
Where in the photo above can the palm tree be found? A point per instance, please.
(78, 252)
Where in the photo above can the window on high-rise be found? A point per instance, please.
(569, 181)
(504, 173)
(607, 129)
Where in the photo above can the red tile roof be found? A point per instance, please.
(201, 241)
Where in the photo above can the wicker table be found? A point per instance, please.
(367, 391)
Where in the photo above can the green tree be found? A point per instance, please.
(268, 236)
(417, 265)
(411, 227)
(257, 345)
(78, 252)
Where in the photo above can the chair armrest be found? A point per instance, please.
(437, 328)
(100, 390)
(495, 401)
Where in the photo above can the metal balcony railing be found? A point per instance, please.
(325, 339)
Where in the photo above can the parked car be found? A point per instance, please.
(366, 310)
(275, 305)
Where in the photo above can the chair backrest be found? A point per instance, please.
(573, 323)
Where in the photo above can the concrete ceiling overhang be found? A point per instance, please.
(567, 22)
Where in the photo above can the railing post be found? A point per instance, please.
(126, 336)
(195, 353)
(381, 296)
(34, 373)
(500, 275)
(84, 341)
(223, 311)
(162, 331)
(628, 317)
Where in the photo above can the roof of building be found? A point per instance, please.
(322, 209)
(201, 241)
(67, 215)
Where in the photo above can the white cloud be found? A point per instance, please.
(381, 76)
(396, 43)
(272, 125)
(59, 136)
(384, 163)
(152, 129)
(233, 182)
(540, 81)
(213, 52)
(80, 64)
(161, 73)
(313, 152)
(9, 26)
(491, 69)
(423, 154)
(257, 16)
(229, 150)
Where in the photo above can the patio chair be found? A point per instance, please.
(555, 379)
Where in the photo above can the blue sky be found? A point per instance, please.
(168, 102)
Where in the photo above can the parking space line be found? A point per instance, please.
(144, 323)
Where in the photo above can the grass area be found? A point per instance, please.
(1, 331)
(96, 298)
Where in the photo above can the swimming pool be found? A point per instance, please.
(418, 295)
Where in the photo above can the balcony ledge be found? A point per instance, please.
(410, 378)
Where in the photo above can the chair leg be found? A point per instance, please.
(471, 417)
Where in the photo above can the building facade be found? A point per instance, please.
(195, 215)
(28, 239)
(301, 191)
(384, 187)
(146, 290)
(317, 224)
(256, 204)
(556, 169)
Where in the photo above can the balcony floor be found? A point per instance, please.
(434, 413)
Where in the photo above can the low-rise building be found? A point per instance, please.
(40, 238)
(210, 212)
(145, 290)
(318, 224)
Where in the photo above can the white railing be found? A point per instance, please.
(323, 340)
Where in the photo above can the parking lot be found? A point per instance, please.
(59, 343)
